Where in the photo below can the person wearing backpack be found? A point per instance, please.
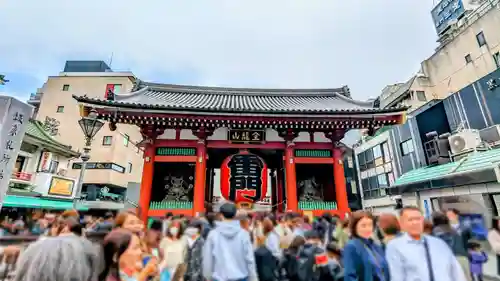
(455, 240)
(312, 260)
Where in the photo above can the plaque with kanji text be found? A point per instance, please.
(246, 136)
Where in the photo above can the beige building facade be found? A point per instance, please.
(467, 51)
(115, 159)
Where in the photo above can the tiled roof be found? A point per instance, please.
(392, 93)
(35, 130)
(239, 100)
(473, 162)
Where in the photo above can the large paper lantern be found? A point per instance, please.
(243, 178)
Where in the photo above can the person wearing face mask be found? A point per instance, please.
(174, 247)
(194, 253)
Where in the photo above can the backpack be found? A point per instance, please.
(307, 269)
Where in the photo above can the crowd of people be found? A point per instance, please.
(233, 245)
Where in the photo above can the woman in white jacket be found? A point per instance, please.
(494, 239)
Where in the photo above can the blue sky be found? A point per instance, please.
(280, 43)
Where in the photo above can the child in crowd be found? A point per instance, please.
(477, 258)
(334, 254)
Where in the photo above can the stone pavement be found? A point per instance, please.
(490, 268)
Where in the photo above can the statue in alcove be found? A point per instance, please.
(177, 188)
(310, 190)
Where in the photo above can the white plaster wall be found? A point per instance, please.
(320, 137)
(219, 134)
(303, 137)
(168, 134)
(187, 135)
(272, 135)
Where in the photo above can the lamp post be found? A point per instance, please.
(90, 125)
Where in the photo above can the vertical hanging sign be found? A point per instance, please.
(14, 117)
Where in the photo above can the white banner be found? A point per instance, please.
(14, 117)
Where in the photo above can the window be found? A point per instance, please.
(496, 58)
(468, 59)
(421, 96)
(377, 152)
(349, 162)
(481, 41)
(126, 140)
(391, 178)
(387, 152)
(407, 147)
(107, 140)
(54, 165)
(354, 189)
(362, 161)
(114, 88)
(129, 167)
(60, 109)
(382, 180)
(65, 87)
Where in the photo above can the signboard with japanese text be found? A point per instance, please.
(14, 117)
(445, 12)
(61, 187)
(246, 136)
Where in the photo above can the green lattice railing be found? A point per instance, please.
(317, 205)
(175, 151)
(321, 153)
(171, 205)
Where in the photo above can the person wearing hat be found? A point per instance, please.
(228, 252)
(194, 255)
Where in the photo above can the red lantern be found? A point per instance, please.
(243, 178)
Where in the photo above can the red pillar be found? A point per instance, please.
(200, 178)
(339, 179)
(146, 182)
(291, 180)
(279, 189)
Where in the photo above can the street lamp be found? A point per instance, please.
(90, 125)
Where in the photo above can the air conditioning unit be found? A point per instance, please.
(491, 135)
(464, 141)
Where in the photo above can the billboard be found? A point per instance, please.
(445, 12)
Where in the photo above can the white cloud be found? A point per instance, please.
(259, 43)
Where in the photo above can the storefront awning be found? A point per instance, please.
(37, 203)
(477, 167)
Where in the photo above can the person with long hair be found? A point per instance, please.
(174, 247)
(272, 241)
(130, 220)
(122, 254)
(494, 239)
(363, 259)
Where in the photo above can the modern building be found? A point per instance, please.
(115, 160)
(469, 45)
(285, 140)
(445, 155)
(439, 94)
